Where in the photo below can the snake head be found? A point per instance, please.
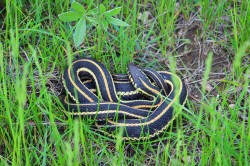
(135, 74)
(140, 81)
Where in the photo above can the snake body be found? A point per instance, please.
(141, 103)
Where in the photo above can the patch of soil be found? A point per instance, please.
(193, 53)
(2, 14)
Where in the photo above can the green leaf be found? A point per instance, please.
(92, 20)
(92, 12)
(80, 32)
(77, 7)
(70, 16)
(105, 24)
(102, 8)
(116, 21)
(112, 12)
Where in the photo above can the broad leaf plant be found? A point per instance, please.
(98, 16)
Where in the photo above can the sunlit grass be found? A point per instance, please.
(36, 46)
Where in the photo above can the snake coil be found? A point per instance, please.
(140, 103)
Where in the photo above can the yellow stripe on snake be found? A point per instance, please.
(141, 102)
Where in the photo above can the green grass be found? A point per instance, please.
(35, 47)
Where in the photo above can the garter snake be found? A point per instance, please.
(96, 96)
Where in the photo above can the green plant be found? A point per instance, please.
(99, 17)
(215, 128)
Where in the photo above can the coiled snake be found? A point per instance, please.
(141, 103)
